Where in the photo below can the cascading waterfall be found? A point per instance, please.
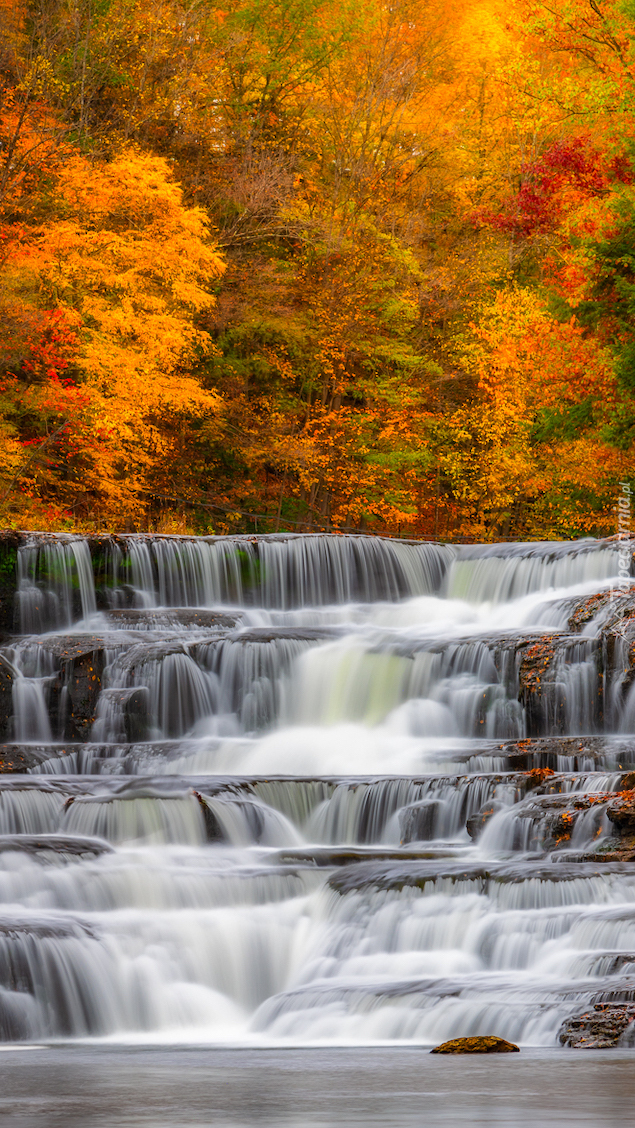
(291, 571)
(55, 583)
(314, 789)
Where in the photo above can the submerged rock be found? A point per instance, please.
(59, 845)
(484, 1044)
(597, 1029)
(190, 618)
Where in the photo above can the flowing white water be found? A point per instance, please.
(257, 766)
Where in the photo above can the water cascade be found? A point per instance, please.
(313, 789)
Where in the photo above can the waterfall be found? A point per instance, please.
(305, 789)
(290, 571)
(501, 573)
(55, 583)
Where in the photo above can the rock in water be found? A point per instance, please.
(598, 1029)
(476, 823)
(486, 1044)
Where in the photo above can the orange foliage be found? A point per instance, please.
(410, 215)
(124, 270)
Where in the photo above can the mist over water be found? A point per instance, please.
(256, 761)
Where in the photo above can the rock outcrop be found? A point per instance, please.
(82, 662)
(597, 1029)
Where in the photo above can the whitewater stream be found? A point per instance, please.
(312, 790)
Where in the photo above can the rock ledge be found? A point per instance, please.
(598, 1029)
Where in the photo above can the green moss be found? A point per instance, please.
(8, 564)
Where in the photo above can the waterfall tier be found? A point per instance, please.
(313, 789)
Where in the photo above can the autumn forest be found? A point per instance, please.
(302, 265)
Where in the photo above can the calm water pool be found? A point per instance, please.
(121, 1087)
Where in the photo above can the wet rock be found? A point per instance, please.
(618, 647)
(7, 675)
(607, 851)
(329, 856)
(546, 752)
(621, 812)
(599, 1028)
(401, 874)
(134, 703)
(555, 816)
(476, 823)
(134, 617)
(60, 845)
(586, 609)
(43, 929)
(419, 871)
(213, 829)
(22, 758)
(82, 661)
(560, 829)
(584, 753)
(540, 694)
(621, 961)
(296, 634)
(486, 1044)
(418, 821)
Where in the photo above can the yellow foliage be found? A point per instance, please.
(131, 266)
(529, 368)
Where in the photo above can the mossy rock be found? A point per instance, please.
(486, 1044)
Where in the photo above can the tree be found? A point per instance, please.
(122, 260)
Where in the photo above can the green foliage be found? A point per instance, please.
(614, 289)
(8, 563)
(557, 423)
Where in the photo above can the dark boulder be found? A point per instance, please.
(134, 703)
(213, 828)
(484, 1044)
(476, 823)
(7, 675)
(82, 660)
(419, 822)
